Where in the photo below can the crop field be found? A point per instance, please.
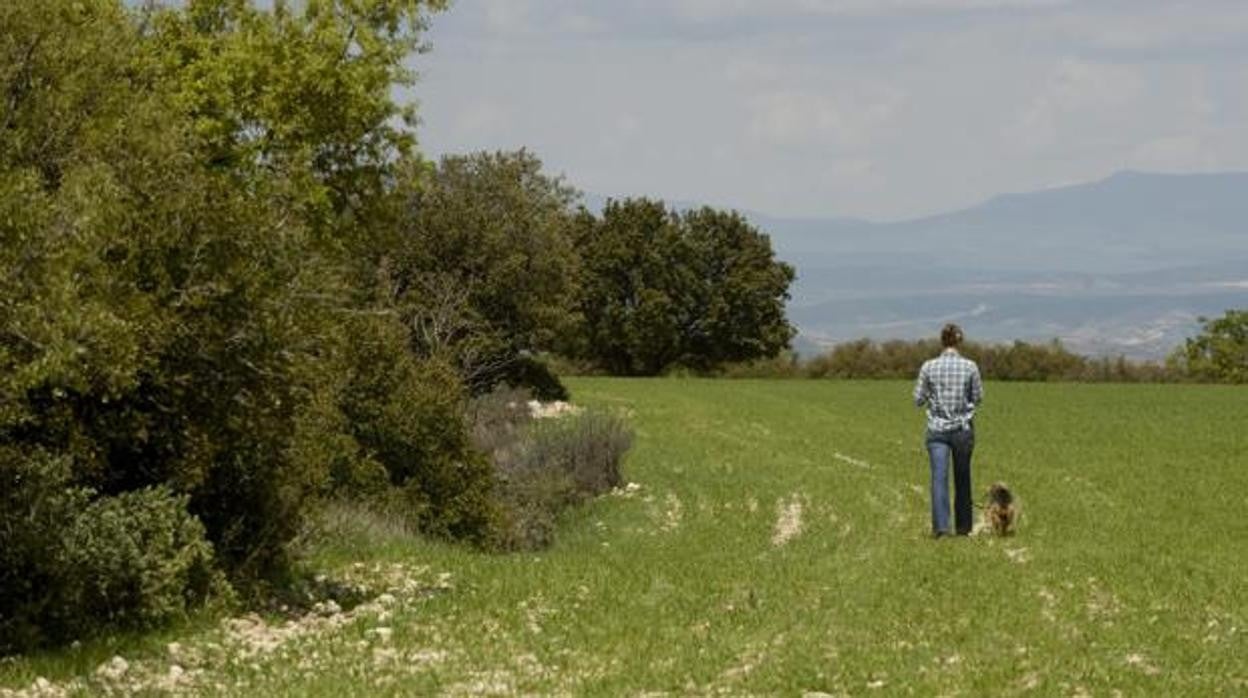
(775, 542)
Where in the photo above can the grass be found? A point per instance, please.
(1126, 575)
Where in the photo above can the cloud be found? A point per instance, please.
(1076, 94)
(873, 108)
(712, 10)
(580, 23)
(1156, 28)
(1170, 152)
(479, 118)
(805, 118)
(509, 16)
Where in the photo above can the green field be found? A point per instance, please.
(777, 545)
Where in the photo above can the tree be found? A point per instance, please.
(1220, 352)
(660, 289)
(485, 269)
(192, 205)
(739, 291)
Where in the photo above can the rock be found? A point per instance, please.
(113, 669)
(327, 608)
(550, 410)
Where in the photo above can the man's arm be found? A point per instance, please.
(977, 388)
(920, 388)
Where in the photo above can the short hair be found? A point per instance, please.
(951, 335)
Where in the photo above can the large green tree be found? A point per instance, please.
(661, 289)
(194, 202)
(485, 270)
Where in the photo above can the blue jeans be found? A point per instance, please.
(940, 445)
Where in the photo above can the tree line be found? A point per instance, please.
(1217, 354)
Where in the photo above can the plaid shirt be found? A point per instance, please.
(950, 387)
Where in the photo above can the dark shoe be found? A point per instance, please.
(940, 534)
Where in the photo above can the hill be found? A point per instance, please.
(1122, 265)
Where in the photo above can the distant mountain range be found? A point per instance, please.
(1124, 265)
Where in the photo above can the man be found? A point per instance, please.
(950, 387)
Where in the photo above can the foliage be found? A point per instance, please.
(485, 271)
(538, 376)
(786, 364)
(498, 419)
(137, 560)
(545, 466)
(72, 565)
(1017, 361)
(299, 99)
(408, 416)
(191, 201)
(36, 503)
(1219, 353)
(661, 289)
(589, 447)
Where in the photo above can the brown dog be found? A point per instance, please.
(1001, 511)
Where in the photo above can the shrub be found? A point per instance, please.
(408, 416)
(137, 560)
(1219, 353)
(1017, 361)
(543, 467)
(498, 418)
(537, 376)
(36, 506)
(784, 365)
(588, 447)
(72, 567)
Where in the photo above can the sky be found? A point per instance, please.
(877, 109)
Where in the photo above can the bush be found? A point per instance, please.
(408, 416)
(1219, 353)
(498, 419)
(784, 365)
(543, 467)
(537, 376)
(588, 448)
(36, 506)
(1017, 361)
(137, 560)
(72, 567)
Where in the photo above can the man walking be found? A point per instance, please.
(950, 387)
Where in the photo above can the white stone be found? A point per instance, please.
(114, 668)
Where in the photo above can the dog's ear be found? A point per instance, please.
(1000, 494)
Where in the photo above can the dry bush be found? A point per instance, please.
(544, 467)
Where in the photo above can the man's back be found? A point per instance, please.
(950, 386)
